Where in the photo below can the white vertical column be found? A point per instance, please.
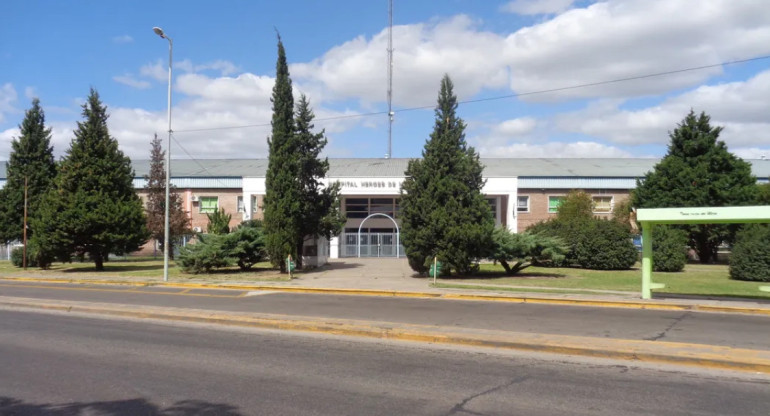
(510, 215)
(334, 247)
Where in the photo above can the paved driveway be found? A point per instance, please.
(366, 273)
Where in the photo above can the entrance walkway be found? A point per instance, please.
(365, 273)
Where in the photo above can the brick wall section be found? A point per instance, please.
(227, 199)
(538, 204)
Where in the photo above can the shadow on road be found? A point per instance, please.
(11, 406)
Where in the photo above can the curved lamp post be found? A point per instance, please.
(166, 244)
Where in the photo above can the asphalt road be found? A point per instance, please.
(65, 365)
(733, 330)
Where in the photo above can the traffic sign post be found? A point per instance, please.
(290, 266)
(435, 268)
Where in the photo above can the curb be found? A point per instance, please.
(696, 355)
(450, 296)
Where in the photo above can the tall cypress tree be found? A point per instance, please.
(31, 158)
(178, 222)
(94, 209)
(443, 211)
(698, 171)
(283, 196)
(320, 206)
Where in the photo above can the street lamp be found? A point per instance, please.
(160, 33)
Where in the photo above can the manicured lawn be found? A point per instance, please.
(141, 269)
(696, 279)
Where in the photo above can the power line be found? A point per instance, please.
(502, 97)
(197, 162)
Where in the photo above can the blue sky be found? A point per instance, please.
(224, 64)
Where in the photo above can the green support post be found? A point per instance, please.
(646, 260)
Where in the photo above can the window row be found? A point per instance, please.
(210, 204)
(364, 207)
(601, 204)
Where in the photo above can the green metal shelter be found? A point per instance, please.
(648, 217)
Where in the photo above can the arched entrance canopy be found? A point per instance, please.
(648, 217)
(398, 238)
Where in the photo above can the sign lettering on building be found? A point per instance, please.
(368, 184)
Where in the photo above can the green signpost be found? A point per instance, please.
(648, 217)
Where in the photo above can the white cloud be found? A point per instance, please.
(625, 38)
(8, 99)
(224, 68)
(30, 93)
(156, 70)
(741, 107)
(123, 39)
(128, 79)
(6, 136)
(531, 7)
(605, 41)
(423, 54)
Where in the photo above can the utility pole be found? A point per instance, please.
(24, 252)
(390, 79)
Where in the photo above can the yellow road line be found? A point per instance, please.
(92, 289)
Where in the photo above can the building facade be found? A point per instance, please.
(521, 192)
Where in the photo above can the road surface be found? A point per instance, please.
(65, 365)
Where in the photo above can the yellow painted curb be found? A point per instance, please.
(451, 296)
(697, 355)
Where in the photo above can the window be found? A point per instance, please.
(522, 204)
(254, 206)
(240, 204)
(602, 204)
(209, 204)
(553, 203)
(356, 207)
(381, 206)
(493, 207)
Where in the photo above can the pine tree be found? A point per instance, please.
(283, 195)
(31, 158)
(444, 213)
(698, 171)
(178, 222)
(321, 215)
(94, 209)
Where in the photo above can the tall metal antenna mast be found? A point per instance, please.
(390, 79)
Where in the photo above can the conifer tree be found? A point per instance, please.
(94, 209)
(283, 195)
(698, 171)
(31, 158)
(178, 222)
(320, 206)
(443, 211)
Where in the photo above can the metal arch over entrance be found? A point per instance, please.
(648, 217)
(398, 234)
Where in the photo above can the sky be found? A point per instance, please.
(513, 64)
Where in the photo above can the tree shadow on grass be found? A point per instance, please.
(109, 268)
(11, 406)
(494, 275)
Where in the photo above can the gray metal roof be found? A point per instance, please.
(395, 167)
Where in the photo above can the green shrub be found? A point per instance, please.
(203, 256)
(524, 249)
(568, 232)
(35, 257)
(605, 245)
(750, 258)
(219, 222)
(17, 258)
(669, 249)
(246, 244)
